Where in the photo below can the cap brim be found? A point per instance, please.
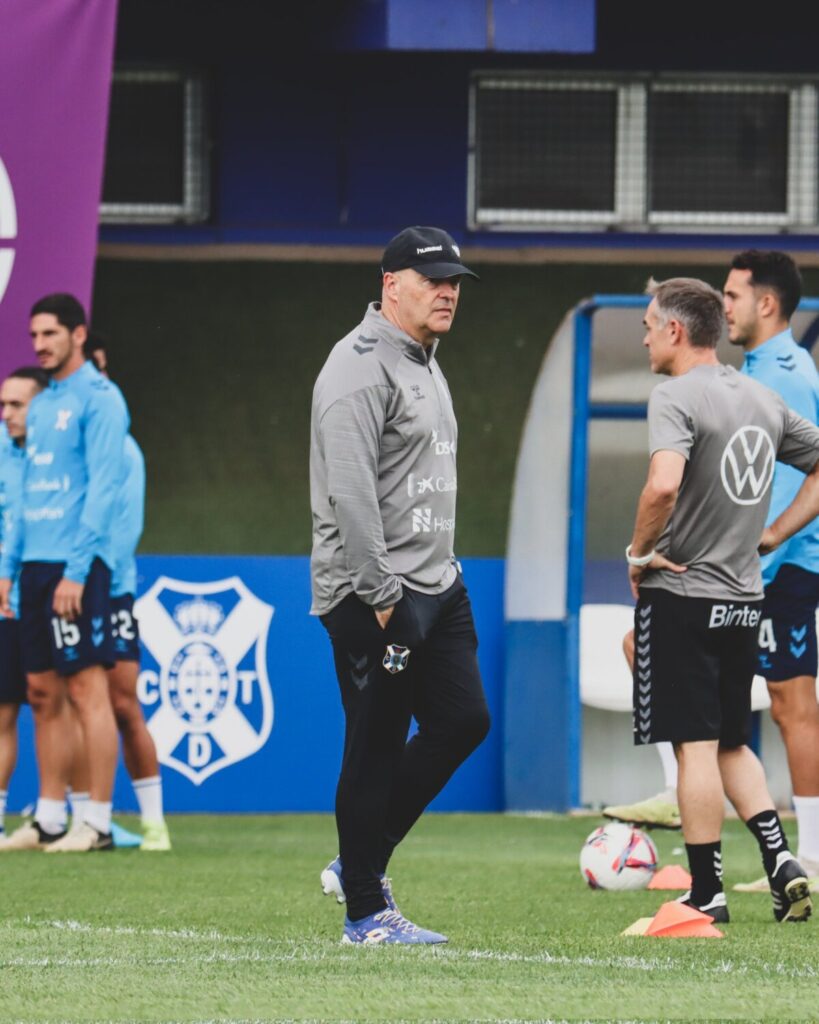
(439, 270)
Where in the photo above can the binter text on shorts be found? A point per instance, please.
(725, 615)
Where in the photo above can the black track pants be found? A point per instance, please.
(386, 782)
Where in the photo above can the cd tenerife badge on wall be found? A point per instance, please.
(204, 683)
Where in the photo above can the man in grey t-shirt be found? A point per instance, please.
(386, 585)
(714, 437)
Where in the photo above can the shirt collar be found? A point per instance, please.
(376, 320)
(83, 371)
(7, 445)
(771, 348)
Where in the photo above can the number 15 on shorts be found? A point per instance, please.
(66, 634)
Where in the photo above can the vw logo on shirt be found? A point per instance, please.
(747, 465)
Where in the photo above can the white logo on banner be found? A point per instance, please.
(209, 640)
(8, 227)
(747, 465)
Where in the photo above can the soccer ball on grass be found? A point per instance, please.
(618, 857)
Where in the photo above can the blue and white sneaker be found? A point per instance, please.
(388, 927)
(333, 885)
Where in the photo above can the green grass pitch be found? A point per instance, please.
(232, 926)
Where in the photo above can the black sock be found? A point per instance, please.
(705, 864)
(768, 832)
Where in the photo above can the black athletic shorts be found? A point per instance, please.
(12, 678)
(50, 642)
(694, 662)
(125, 628)
(787, 633)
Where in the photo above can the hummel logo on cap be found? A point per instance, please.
(430, 251)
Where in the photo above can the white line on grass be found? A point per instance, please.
(319, 950)
(634, 963)
(155, 961)
(168, 933)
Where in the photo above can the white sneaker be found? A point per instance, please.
(811, 868)
(758, 885)
(82, 839)
(29, 837)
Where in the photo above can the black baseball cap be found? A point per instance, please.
(430, 251)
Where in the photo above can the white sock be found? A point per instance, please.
(669, 763)
(149, 797)
(807, 821)
(98, 815)
(78, 803)
(4, 793)
(51, 815)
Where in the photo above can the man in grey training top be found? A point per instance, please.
(714, 437)
(385, 580)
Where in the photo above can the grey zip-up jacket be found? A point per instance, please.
(383, 480)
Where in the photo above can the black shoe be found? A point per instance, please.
(716, 907)
(790, 889)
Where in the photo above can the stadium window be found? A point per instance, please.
(719, 154)
(156, 164)
(641, 153)
(549, 152)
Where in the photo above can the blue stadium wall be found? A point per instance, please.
(313, 107)
(239, 693)
(338, 123)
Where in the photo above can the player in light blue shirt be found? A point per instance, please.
(16, 393)
(761, 294)
(129, 519)
(63, 540)
(138, 747)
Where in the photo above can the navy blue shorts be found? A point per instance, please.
(787, 633)
(12, 677)
(125, 627)
(50, 642)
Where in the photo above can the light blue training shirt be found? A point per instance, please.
(788, 369)
(12, 462)
(75, 437)
(129, 519)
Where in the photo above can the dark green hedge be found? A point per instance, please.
(217, 361)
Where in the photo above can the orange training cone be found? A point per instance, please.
(677, 921)
(672, 876)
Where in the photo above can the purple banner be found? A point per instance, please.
(55, 76)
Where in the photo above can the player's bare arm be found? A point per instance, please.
(68, 599)
(5, 598)
(803, 508)
(657, 501)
